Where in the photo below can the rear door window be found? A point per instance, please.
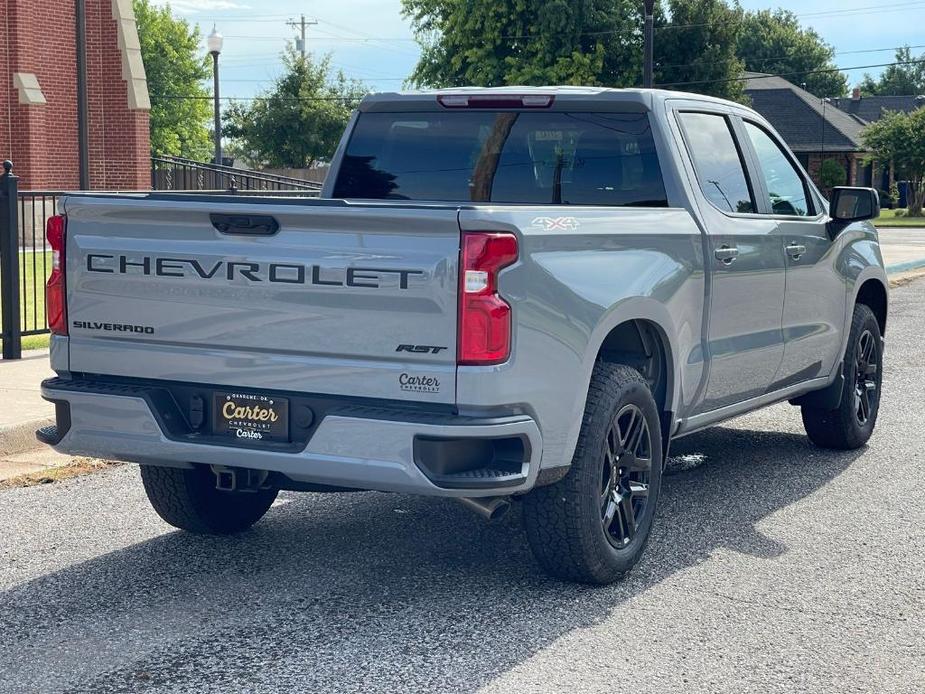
(513, 157)
(717, 161)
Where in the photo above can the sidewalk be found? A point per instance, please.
(903, 248)
(22, 411)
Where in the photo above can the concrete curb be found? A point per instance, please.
(905, 267)
(20, 438)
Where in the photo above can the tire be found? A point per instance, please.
(851, 424)
(565, 522)
(188, 500)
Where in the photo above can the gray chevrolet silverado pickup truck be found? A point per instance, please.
(506, 296)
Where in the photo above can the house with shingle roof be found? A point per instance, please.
(871, 108)
(815, 129)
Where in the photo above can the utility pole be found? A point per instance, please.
(648, 41)
(302, 25)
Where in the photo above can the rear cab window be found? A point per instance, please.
(550, 158)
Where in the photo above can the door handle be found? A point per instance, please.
(726, 254)
(795, 250)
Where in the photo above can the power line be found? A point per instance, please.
(667, 84)
(193, 97)
(790, 74)
(364, 78)
(364, 37)
(847, 11)
(786, 57)
(844, 12)
(384, 78)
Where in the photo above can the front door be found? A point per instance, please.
(815, 297)
(745, 263)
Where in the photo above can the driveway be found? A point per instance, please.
(775, 566)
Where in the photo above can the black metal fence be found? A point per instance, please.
(26, 258)
(178, 174)
(35, 260)
(25, 262)
(10, 324)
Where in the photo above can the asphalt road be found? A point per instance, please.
(774, 567)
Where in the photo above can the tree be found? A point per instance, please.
(900, 138)
(492, 43)
(773, 41)
(300, 120)
(905, 78)
(175, 67)
(695, 49)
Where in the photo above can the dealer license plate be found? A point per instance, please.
(252, 418)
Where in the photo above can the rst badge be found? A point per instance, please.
(420, 349)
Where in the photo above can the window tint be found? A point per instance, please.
(785, 186)
(717, 161)
(489, 156)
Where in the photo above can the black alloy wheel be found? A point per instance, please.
(866, 392)
(625, 476)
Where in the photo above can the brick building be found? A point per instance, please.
(38, 106)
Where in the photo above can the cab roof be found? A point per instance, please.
(565, 97)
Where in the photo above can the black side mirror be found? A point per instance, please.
(853, 205)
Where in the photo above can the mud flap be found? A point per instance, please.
(828, 398)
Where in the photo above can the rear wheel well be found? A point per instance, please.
(641, 345)
(873, 295)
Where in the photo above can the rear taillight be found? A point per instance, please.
(55, 307)
(484, 317)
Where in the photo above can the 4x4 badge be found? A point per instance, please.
(554, 223)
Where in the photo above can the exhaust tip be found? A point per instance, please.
(491, 508)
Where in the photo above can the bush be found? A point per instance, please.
(832, 174)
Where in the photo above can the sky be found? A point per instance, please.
(371, 41)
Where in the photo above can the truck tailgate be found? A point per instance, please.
(342, 299)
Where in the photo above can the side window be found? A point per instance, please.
(785, 185)
(717, 161)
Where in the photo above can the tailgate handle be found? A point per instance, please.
(250, 224)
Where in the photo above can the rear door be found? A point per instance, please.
(355, 300)
(745, 263)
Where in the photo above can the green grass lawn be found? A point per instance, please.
(888, 218)
(32, 312)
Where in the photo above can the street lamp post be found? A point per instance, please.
(214, 43)
(648, 40)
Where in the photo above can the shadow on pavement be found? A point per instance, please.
(372, 591)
